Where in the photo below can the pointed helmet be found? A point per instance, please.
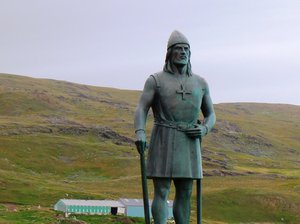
(177, 38)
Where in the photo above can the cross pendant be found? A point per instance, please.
(183, 91)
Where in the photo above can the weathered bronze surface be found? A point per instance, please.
(177, 97)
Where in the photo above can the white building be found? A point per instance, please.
(124, 206)
(93, 207)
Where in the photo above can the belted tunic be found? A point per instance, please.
(176, 107)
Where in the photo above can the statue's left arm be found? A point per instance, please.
(208, 112)
(207, 109)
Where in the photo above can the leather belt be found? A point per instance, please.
(180, 126)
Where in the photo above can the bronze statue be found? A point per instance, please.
(176, 97)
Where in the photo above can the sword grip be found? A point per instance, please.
(140, 146)
(141, 149)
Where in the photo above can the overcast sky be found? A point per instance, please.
(247, 50)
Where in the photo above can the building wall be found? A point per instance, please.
(60, 206)
(121, 211)
(138, 211)
(135, 211)
(88, 209)
(170, 212)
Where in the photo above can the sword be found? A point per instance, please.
(199, 202)
(141, 148)
(199, 193)
(199, 187)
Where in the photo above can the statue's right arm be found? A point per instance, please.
(142, 109)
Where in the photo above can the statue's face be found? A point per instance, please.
(180, 54)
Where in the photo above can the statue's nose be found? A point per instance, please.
(183, 52)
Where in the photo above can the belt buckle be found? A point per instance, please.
(181, 127)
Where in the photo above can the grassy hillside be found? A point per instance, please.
(65, 140)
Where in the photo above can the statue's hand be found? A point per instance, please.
(140, 141)
(198, 131)
(140, 146)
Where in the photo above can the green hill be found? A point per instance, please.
(65, 140)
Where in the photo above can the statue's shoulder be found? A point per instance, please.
(199, 79)
(160, 74)
(157, 78)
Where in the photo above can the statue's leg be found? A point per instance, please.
(159, 205)
(182, 205)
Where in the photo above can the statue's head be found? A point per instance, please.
(178, 52)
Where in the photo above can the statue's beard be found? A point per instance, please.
(168, 67)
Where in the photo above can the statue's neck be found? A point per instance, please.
(179, 69)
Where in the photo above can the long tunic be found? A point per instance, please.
(172, 153)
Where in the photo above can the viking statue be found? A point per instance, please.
(176, 96)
